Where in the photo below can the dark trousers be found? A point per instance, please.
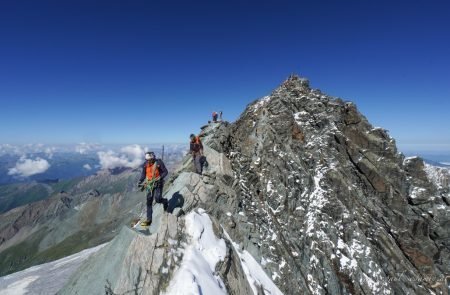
(156, 193)
(197, 163)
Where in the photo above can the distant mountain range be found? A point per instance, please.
(84, 213)
(438, 164)
(18, 194)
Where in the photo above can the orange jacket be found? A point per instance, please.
(152, 171)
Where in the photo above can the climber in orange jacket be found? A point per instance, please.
(153, 172)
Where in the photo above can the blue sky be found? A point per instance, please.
(153, 71)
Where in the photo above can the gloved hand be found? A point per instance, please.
(139, 184)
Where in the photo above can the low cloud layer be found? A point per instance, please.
(129, 156)
(87, 167)
(84, 148)
(28, 167)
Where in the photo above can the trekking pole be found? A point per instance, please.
(162, 158)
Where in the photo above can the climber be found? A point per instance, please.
(153, 172)
(196, 149)
(214, 117)
(220, 116)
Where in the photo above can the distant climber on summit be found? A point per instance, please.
(196, 149)
(220, 116)
(153, 172)
(214, 116)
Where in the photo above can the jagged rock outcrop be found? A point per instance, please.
(321, 199)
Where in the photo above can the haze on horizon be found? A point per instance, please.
(115, 72)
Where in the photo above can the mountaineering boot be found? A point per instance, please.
(146, 223)
(134, 222)
(166, 206)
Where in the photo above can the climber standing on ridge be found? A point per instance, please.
(196, 149)
(214, 116)
(220, 116)
(153, 172)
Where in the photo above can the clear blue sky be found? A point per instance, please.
(153, 71)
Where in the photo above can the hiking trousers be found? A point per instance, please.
(197, 163)
(156, 194)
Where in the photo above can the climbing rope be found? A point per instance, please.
(149, 185)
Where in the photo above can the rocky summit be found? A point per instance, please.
(301, 195)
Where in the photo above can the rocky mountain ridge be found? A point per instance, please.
(338, 197)
(303, 196)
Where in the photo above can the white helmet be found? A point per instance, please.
(150, 155)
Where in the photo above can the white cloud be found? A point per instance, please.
(27, 167)
(84, 147)
(23, 149)
(129, 156)
(49, 152)
(10, 149)
(87, 167)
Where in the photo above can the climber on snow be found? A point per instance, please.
(152, 176)
(196, 150)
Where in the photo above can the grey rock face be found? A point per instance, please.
(131, 263)
(327, 201)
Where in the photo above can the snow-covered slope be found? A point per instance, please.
(201, 253)
(197, 273)
(46, 278)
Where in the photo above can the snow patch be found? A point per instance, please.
(196, 275)
(19, 287)
(269, 187)
(261, 103)
(438, 175)
(317, 202)
(254, 272)
(49, 277)
(418, 192)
